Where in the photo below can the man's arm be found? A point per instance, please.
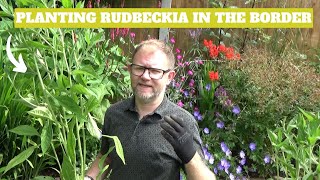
(94, 169)
(176, 133)
(197, 170)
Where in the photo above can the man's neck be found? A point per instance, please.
(145, 108)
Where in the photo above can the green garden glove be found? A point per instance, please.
(177, 134)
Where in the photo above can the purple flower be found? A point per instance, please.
(220, 167)
(220, 124)
(224, 147)
(206, 130)
(220, 92)
(236, 109)
(243, 161)
(208, 87)
(267, 159)
(252, 146)
(242, 154)
(239, 170)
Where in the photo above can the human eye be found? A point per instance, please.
(155, 71)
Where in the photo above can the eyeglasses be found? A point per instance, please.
(154, 73)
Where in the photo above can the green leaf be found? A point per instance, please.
(20, 158)
(93, 128)
(308, 115)
(80, 89)
(118, 145)
(67, 3)
(69, 104)
(25, 130)
(68, 170)
(46, 137)
(71, 146)
(42, 112)
(80, 4)
(86, 70)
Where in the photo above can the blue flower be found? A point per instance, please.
(242, 154)
(197, 115)
(231, 176)
(220, 124)
(267, 159)
(252, 146)
(186, 93)
(225, 163)
(208, 87)
(236, 109)
(224, 147)
(239, 170)
(206, 130)
(243, 161)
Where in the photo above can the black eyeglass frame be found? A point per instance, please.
(144, 70)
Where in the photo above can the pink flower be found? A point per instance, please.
(187, 63)
(132, 35)
(172, 40)
(190, 72)
(179, 57)
(178, 50)
(180, 103)
(180, 64)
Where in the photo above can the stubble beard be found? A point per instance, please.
(146, 97)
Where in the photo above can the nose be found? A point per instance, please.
(146, 75)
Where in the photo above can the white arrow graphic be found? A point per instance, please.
(20, 66)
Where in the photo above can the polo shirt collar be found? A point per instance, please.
(160, 110)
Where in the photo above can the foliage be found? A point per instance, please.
(73, 76)
(296, 146)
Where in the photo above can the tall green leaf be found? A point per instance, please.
(42, 112)
(69, 104)
(67, 169)
(71, 146)
(46, 137)
(25, 130)
(20, 158)
(67, 3)
(118, 146)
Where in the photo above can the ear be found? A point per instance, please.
(171, 76)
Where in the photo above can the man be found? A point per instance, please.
(158, 137)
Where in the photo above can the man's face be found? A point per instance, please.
(144, 87)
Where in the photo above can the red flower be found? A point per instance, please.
(213, 75)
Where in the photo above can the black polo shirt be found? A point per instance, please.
(148, 155)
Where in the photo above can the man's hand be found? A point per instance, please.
(176, 132)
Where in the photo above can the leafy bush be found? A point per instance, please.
(296, 146)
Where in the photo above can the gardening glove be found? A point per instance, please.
(177, 134)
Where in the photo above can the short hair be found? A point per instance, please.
(160, 45)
